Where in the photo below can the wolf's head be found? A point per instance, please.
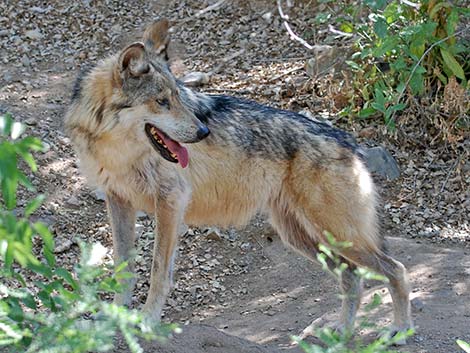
(135, 96)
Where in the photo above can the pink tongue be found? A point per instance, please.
(180, 151)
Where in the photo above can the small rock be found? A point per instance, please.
(380, 161)
(31, 122)
(41, 10)
(34, 34)
(99, 195)
(117, 28)
(213, 234)
(417, 304)
(268, 17)
(63, 245)
(139, 230)
(73, 202)
(245, 246)
(368, 132)
(196, 79)
(25, 61)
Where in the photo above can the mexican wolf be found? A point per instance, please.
(190, 158)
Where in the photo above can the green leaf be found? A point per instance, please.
(32, 143)
(437, 7)
(48, 239)
(452, 21)
(354, 65)
(16, 312)
(347, 27)
(366, 112)
(29, 301)
(381, 28)
(5, 124)
(28, 158)
(46, 299)
(453, 64)
(376, 301)
(416, 83)
(67, 276)
(464, 345)
(33, 205)
(376, 4)
(397, 107)
(9, 186)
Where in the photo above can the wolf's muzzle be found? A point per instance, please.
(203, 132)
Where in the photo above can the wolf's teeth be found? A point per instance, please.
(174, 156)
(153, 130)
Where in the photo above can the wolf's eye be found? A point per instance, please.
(163, 102)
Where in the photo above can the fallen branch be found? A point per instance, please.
(295, 69)
(294, 36)
(202, 12)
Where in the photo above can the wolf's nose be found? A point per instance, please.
(203, 132)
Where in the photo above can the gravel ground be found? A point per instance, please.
(242, 282)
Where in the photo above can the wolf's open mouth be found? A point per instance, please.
(169, 149)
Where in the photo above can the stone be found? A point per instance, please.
(417, 304)
(34, 34)
(72, 202)
(213, 234)
(368, 132)
(196, 79)
(380, 161)
(99, 195)
(25, 61)
(31, 121)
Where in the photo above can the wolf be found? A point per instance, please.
(190, 158)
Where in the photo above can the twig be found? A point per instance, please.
(338, 32)
(449, 174)
(295, 69)
(392, 118)
(289, 29)
(234, 90)
(202, 12)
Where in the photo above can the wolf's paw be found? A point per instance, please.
(392, 332)
(322, 323)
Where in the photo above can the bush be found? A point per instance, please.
(411, 50)
(60, 311)
(406, 54)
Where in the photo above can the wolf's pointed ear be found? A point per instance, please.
(131, 62)
(157, 38)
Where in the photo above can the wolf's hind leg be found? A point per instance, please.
(293, 233)
(398, 285)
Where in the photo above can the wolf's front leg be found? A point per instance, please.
(168, 217)
(122, 218)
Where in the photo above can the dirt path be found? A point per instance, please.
(238, 291)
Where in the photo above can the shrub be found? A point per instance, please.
(408, 49)
(60, 311)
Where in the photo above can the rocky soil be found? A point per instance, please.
(239, 290)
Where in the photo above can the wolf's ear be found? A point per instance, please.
(157, 38)
(131, 62)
